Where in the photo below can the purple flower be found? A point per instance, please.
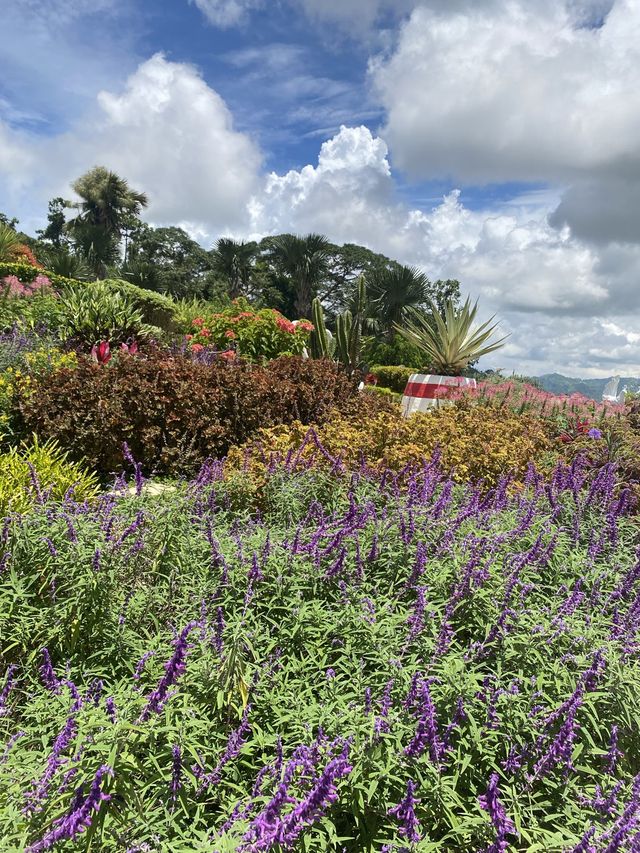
(47, 673)
(405, 813)
(594, 433)
(426, 736)
(79, 817)
(173, 669)
(141, 665)
(614, 753)
(502, 824)
(7, 687)
(176, 773)
(234, 744)
(330, 674)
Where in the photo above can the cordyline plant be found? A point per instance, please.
(375, 661)
(448, 339)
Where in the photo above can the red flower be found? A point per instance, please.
(230, 334)
(371, 379)
(205, 333)
(229, 355)
(199, 321)
(188, 337)
(101, 353)
(197, 347)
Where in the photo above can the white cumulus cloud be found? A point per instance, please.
(167, 131)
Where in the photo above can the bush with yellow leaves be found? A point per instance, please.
(474, 442)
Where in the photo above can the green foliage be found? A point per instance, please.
(305, 262)
(28, 473)
(9, 243)
(391, 352)
(447, 338)
(98, 312)
(349, 328)
(156, 309)
(233, 261)
(168, 260)
(393, 377)
(174, 413)
(107, 208)
(321, 345)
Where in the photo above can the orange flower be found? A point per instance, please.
(199, 321)
(205, 333)
(230, 334)
(188, 337)
(229, 355)
(197, 347)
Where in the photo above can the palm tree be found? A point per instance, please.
(107, 205)
(392, 291)
(234, 262)
(305, 261)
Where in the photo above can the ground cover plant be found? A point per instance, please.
(370, 661)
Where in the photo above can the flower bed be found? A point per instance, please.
(371, 663)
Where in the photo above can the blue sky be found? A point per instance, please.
(493, 141)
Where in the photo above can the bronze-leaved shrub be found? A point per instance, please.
(174, 413)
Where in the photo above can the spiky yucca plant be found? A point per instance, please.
(447, 338)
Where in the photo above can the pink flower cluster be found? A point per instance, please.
(12, 285)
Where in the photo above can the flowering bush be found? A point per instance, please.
(562, 412)
(255, 334)
(174, 412)
(474, 443)
(363, 666)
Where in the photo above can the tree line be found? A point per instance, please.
(101, 235)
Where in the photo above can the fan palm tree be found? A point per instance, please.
(107, 204)
(394, 290)
(447, 337)
(305, 261)
(234, 262)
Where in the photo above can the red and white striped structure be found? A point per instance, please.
(426, 391)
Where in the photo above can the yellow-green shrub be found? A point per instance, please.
(43, 467)
(474, 442)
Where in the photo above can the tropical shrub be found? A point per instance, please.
(38, 472)
(90, 313)
(157, 309)
(255, 334)
(173, 412)
(471, 443)
(361, 667)
(395, 378)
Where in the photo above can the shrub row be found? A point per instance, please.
(173, 412)
(474, 443)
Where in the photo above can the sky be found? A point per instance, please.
(492, 141)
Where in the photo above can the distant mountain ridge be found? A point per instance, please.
(556, 383)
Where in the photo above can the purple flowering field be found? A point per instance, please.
(362, 662)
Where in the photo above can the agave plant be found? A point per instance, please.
(447, 338)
